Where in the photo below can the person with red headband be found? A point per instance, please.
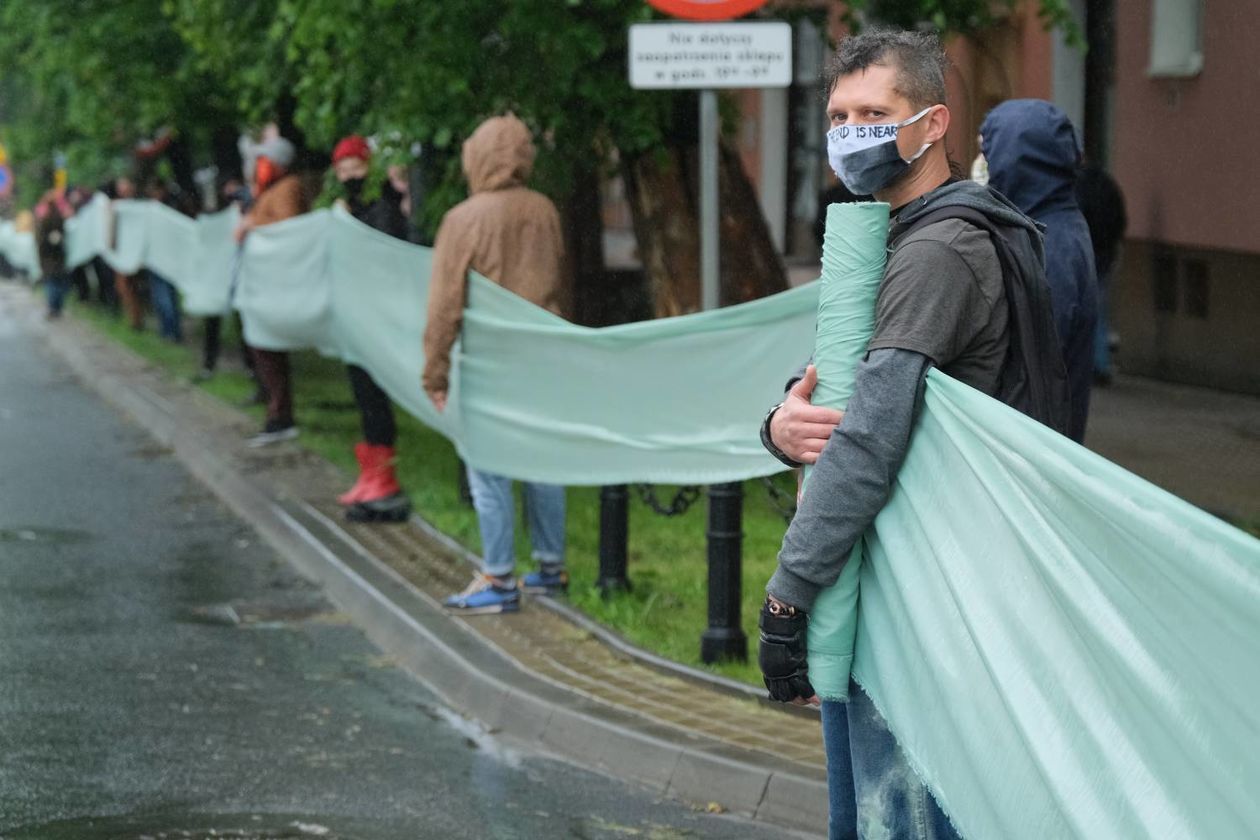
(279, 196)
(376, 496)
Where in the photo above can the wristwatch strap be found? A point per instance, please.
(769, 444)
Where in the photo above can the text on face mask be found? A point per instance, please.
(863, 132)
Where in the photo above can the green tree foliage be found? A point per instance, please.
(432, 71)
(959, 16)
(91, 76)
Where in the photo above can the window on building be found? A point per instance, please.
(1176, 38)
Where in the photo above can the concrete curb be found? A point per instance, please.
(467, 672)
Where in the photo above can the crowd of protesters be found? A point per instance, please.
(1021, 251)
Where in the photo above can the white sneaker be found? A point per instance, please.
(268, 437)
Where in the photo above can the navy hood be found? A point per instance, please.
(1033, 155)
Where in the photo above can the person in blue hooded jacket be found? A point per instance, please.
(1033, 157)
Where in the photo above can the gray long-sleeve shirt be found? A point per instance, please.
(942, 303)
(854, 475)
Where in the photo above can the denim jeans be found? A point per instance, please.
(55, 287)
(842, 807)
(166, 306)
(891, 800)
(1102, 333)
(496, 517)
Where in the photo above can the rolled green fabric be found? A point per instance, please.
(853, 267)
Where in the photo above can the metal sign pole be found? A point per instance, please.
(668, 56)
(709, 270)
(724, 638)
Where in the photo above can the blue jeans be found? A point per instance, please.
(1102, 332)
(842, 807)
(166, 306)
(55, 287)
(891, 800)
(496, 517)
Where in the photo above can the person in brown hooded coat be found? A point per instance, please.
(512, 235)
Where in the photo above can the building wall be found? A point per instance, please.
(1186, 301)
(1189, 315)
(1014, 60)
(1185, 150)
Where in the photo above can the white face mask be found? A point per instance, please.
(866, 158)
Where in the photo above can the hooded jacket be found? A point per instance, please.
(1033, 157)
(1032, 377)
(503, 231)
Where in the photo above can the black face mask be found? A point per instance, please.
(353, 188)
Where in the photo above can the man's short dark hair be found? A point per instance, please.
(917, 56)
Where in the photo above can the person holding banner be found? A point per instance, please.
(511, 235)
(376, 495)
(963, 290)
(51, 214)
(279, 196)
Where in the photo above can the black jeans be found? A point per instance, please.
(211, 341)
(375, 410)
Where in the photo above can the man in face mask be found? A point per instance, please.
(963, 291)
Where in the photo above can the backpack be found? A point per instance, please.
(1033, 379)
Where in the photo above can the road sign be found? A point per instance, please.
(706, 9)
(710, 55)
(6, 181)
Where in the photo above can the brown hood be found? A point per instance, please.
(499, 154)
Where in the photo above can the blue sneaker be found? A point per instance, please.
(484, 596)
(545, 582)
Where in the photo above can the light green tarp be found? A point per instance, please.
(677, 400)
(853, 268)
(1062, 649)
(194, 255)
(19, 249)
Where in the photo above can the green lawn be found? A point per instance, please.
(666, 610)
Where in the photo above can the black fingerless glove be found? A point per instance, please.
(782, 655)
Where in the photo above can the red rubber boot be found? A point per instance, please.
(382, 499)
(356, 493)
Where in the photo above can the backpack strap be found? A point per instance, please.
(1034, 377)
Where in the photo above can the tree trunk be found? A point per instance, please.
(596, 296)
(581, 216)
(663, 190)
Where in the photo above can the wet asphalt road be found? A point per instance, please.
(163, 674)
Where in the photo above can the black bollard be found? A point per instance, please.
(725, 638)
(614, 534)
